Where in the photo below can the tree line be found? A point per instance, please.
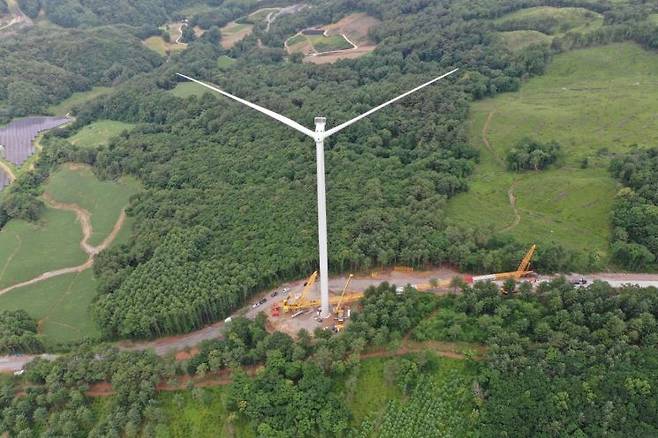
(635, 211)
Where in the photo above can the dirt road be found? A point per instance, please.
(172, 344)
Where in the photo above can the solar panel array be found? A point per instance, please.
(18, 136)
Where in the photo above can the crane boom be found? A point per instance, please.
(342, 295)
(525, 263)
(302, 302)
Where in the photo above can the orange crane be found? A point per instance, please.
(521, 271)
(302, 302)
(338, 310)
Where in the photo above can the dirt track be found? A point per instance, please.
(8, 171)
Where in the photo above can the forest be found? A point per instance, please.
(259, 219)
(562, 359)
(89, 13)
(41, 67)
(635, 214)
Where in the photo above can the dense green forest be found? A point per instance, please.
(88, 13)
(635, 215)
(580, 361)
(563, 360)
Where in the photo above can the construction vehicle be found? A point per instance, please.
(276, 309)
(303, 302)
(521, 271)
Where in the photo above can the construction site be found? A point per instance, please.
(297, 305)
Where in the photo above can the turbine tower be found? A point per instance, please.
(319, 135)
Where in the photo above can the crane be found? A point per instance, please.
(302, 302)
(521, 271)
(338, 310)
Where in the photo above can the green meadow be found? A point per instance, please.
(187, 89)
(561, 19)
(76, 99)
(99, 133)
(595, 102)
(29, 249)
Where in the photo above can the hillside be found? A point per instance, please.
(159, 250)
(596, 103)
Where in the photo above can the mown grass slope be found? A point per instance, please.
(594, 102)
(27, 249)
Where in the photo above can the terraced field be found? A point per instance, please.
(594, 102)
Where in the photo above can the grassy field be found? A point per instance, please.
(565, 19)
(99, 133)
(187, 89)
(75, 99)
(653, 18)
(27, 249)
(520, 39)
(594, 102)
(158, 44)
(330, 43)
(102, 199)
(204, 417)
(60, 304)
(225, 62)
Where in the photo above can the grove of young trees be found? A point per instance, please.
(579, 361)
(18, 333)
(530, 154)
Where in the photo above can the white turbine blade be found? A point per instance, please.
(366, 114)
(283, 119)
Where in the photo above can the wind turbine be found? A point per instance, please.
(319, 135)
